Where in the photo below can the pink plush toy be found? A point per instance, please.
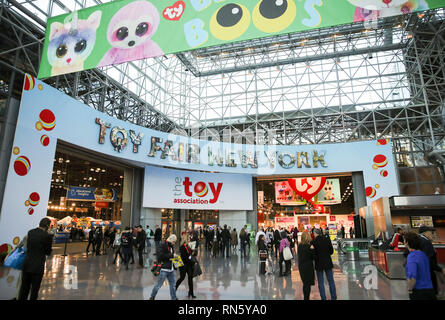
(130, 31)
(373, 9)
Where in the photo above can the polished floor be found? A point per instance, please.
(233, 278)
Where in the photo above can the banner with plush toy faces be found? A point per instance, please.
(128, 30)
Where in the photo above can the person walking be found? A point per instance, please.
(295, 235)
(262, 253)
(38, 246)
(277, 241)
(234, 240)
(117, 246)
(343, 231)
(426, 245)
(157, 237)
(283, 244)
(259, 233)
(149, 234)
(306, 263)
(91, 240)
(225, 239)
(187, 269)
(165, 255)
(243, 241)
(98, 238)
(127, 243)
(420, 286)
(323, 263)
(141, 239)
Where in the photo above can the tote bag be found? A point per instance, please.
(287, 254)
(15, 259)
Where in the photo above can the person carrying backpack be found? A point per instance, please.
(127, 245)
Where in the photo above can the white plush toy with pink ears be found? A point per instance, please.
(370, 9)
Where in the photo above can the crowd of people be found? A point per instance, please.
(312, 254)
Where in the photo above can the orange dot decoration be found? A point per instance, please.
(380, 161)
(16, 150)
(47, 119)
(30, 82)
(34, 199)
(370, 192)
(40, 86)
(39, 125)
(16, 241)
(27, 203)
(44, 140)
(22, 165)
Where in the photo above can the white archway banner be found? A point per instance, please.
(48, 115)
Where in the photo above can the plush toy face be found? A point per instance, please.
(377, 4)
(71, 44)
(132, 25)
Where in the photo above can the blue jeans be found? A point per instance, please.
(148, 243)
(330, 277)
(171, 276)
(243, 249)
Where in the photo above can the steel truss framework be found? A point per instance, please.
(339, 84)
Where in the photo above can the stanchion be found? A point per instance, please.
(64, 251)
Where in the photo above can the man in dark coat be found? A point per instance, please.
(91, 240)
(140, 244)
(39, 245)
(323, 263)
(158, 237)
(225, 239)
(98, 238)
(426, 236)
(127, 245)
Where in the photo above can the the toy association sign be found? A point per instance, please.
(167, 188)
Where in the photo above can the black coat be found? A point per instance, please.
(186, 252)
(261, 245)
(38, 246)
(323, 252)
(130, 243)
(276, 237)
(158, 234)
(306, 264)
(164, 254)
(140, 239)
(427, 247)
(225, 235)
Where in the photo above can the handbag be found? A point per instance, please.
(177, 262)
(15, 259)
(287, 254)
(263, 254)
(156, 269)
(196, 267)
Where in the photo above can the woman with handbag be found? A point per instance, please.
(285, 255)
(306, 263)
(262, 251)
(187, 269)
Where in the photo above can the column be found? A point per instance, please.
(359, 200)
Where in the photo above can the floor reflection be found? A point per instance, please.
(223, 278)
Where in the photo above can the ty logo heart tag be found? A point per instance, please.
(307, 187)
(175, 11)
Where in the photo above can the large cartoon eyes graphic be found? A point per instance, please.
(274, 15)
(122, 33)
(61, 51)
(230, 21)
(141, 29)
(80, 46)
